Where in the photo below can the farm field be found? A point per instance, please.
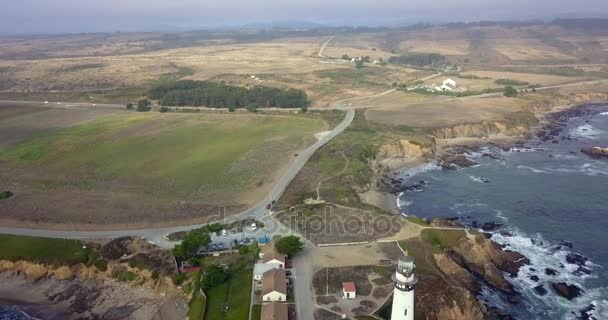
(138, 169)
(445, 112)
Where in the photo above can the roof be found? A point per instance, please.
(349, 287)
(274, 280)
(269, 253)
(261, 268)
(274, 311)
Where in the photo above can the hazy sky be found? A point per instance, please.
(24, 16)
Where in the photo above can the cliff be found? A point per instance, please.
(398, 154)
(483, 129)
(451, 279)
(81, 292)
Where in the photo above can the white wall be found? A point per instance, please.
(274, 296)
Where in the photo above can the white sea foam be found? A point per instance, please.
(604, 114)
(585, 131)
(413, 172)
(542, 255)
(478, 179)
(535, 170)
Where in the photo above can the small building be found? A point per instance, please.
(260, 268)
(269, 254)
(274, 286)
(274, 311)
(448, 85)
(349, 290)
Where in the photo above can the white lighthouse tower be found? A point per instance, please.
(403, 297)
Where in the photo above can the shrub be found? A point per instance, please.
(129, 106)
(179, 278)
(163, 109)
(5, 194)
(124, 275)
(143, 105)
(510, 91)
(101, 264)
(510, 82)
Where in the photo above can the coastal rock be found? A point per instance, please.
(456, 272)
(491, 226)
(568, 291)
(483, 129)
(550, 272)
(486, 259)
(395, 155)
(596, 152)
(540, 290)
(453, 162)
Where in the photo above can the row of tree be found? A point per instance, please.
(221, 95)
(420, 59)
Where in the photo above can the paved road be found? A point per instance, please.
(303, 292)
(156, 235)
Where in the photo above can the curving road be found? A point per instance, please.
(156, 235)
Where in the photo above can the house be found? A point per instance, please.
(448, 85)
(260, 268)
(349, 291)
(274, 285)
(269, 254)
(274, 311)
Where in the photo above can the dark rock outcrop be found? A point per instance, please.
(568, 291)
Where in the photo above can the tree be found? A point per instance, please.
(129, 106)
(163, 109)
(289, 245)
(510, 91)
(214, 276)
(252, 107)
(345, 57)
(359, 64)
(304, 109)
(143, 105)
(231, 109)
(191, 243)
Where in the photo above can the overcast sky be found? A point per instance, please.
(55, 16)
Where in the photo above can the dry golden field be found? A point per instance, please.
(446, 112)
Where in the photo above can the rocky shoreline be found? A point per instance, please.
(457, 263)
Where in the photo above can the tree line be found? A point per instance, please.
(221, 95)
(420, 59)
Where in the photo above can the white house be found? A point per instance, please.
(448, 85)
(349, 291)
(269, 254)
(274, 286)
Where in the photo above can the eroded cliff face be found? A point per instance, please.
(81, 292)
(400, 153)
(449, 287)
(483, 129)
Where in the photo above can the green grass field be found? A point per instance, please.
(45, 250)
(256, 312)
(235, 294)
(182, 155)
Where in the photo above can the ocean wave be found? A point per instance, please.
(479, 179)
(535, 170)
(412, 172)
(544, 255)
(604, 114)
(585, 131)
(402, 204)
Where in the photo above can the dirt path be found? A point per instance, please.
(320, 53)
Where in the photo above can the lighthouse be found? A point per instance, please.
(403, 296)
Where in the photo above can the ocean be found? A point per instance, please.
(553, 203)
(11, 313)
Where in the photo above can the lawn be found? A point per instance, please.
(196, 307)
(256, 312)
(45, 250)
(172, 154)
(235, 295)
(443, 239)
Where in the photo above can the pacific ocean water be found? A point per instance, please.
(553, 202)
